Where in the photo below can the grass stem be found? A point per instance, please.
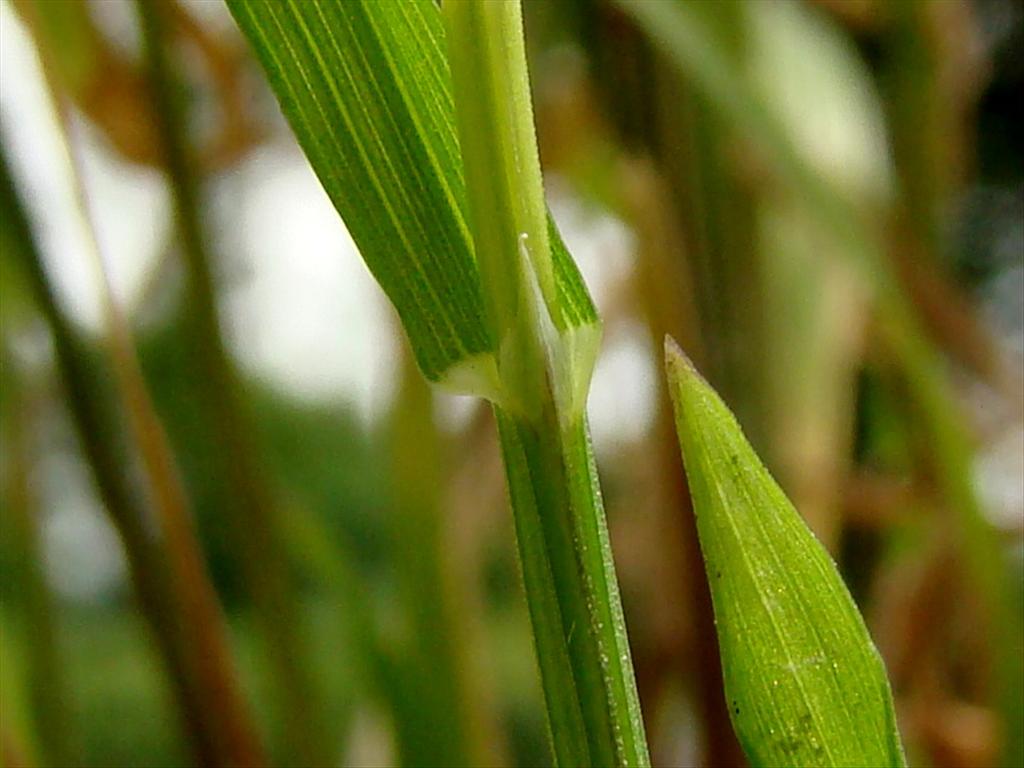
(566, 557)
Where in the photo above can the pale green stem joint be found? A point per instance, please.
(544, 358)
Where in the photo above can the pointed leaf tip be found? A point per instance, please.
(675, 358)
(678, 365)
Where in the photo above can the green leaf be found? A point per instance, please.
(676, 29)
(367, 90)
(804, 683)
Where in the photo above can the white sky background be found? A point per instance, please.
(303, 312)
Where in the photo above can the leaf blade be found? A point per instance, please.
(804, 682)
(313, 49)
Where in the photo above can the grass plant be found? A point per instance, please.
(418, 119)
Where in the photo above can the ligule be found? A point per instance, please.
(348, 77)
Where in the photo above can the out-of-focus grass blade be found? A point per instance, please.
(366, 88)
(95, 431)
(250, 512)
(804, 682)
(677, 28)
(45, 671)
(17, 740)
(431, 702)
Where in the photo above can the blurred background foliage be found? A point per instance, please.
(821, 199)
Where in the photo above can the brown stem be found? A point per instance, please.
(252, 511)
(95, 431)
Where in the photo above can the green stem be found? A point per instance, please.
(495, 125)
(46, 673)
(436, 667)
(572, 593)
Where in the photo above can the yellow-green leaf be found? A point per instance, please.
(804, 683)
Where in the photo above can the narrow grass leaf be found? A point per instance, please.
(675, 28)
(367, 89)
(804, 683)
